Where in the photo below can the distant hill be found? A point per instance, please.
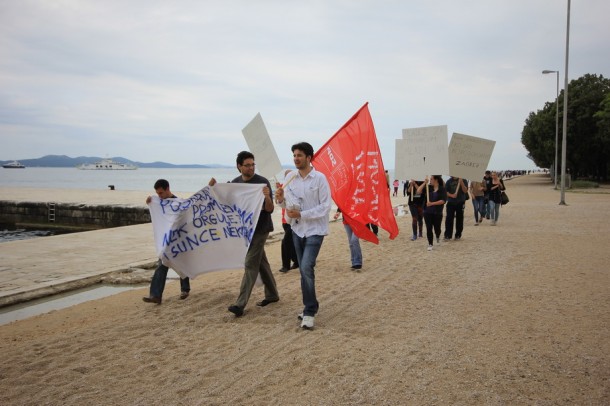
(63, 161)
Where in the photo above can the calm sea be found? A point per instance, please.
(189, 180)
(139, 179)
(184, 180)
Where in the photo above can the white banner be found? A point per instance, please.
(210, 231)
(469, 156)
(422, 152)
(256, 135)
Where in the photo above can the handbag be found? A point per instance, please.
(504, 198)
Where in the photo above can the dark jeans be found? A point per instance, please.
(307, 249)
(454, 211)
(433, 225)
(288, 252)
(157, 285)
(486, 206)
(374, 228)
(417, 218)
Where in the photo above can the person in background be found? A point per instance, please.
(405, 185)
(477, 193)
(457, 192)
(307, 201)
(354, 243)
(416, 208)
(487, 182)
(387, 179)
(157, 284)
(495, 197)
(256, 262)
(435, 196)
(396, 183)
(288, 253)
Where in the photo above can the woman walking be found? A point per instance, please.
(477, 193)
(435, 196)
(495, 197)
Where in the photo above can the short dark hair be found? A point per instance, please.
(305, 147)
(242, 156)
(161, 183)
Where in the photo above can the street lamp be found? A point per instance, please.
(544, 72)
(565, 114)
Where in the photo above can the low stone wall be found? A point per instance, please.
(66, 215)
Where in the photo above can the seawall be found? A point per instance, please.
(71, 215)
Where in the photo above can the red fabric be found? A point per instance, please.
(352, 162)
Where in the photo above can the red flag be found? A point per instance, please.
(352, 163)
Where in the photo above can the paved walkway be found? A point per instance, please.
(43, 266)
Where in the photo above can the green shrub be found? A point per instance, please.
(584, 184)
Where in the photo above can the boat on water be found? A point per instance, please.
(14, 165)
(108, 165)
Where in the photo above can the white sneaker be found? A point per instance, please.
(307, 322)
(300, 316)
(429, 247)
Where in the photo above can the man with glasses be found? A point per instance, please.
(256, 259)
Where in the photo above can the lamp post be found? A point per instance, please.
(565, 114)
(544, 72)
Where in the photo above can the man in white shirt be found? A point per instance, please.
(306, 197)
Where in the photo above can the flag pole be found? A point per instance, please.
(289, 180)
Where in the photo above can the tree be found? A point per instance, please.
(538, 136)
(588, 138)
(603, 125)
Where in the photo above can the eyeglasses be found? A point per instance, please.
(249, 165)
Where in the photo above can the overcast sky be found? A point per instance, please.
(176, 81)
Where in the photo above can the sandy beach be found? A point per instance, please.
(516, 314)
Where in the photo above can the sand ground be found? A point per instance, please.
(512, 314)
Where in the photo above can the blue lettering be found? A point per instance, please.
(214, 234)
(173, 235)
(235, 232)
(201, 238)
(192, 242)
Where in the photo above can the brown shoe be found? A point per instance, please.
(152, 299)
(184, 295)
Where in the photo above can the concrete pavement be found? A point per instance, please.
(44, 266)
